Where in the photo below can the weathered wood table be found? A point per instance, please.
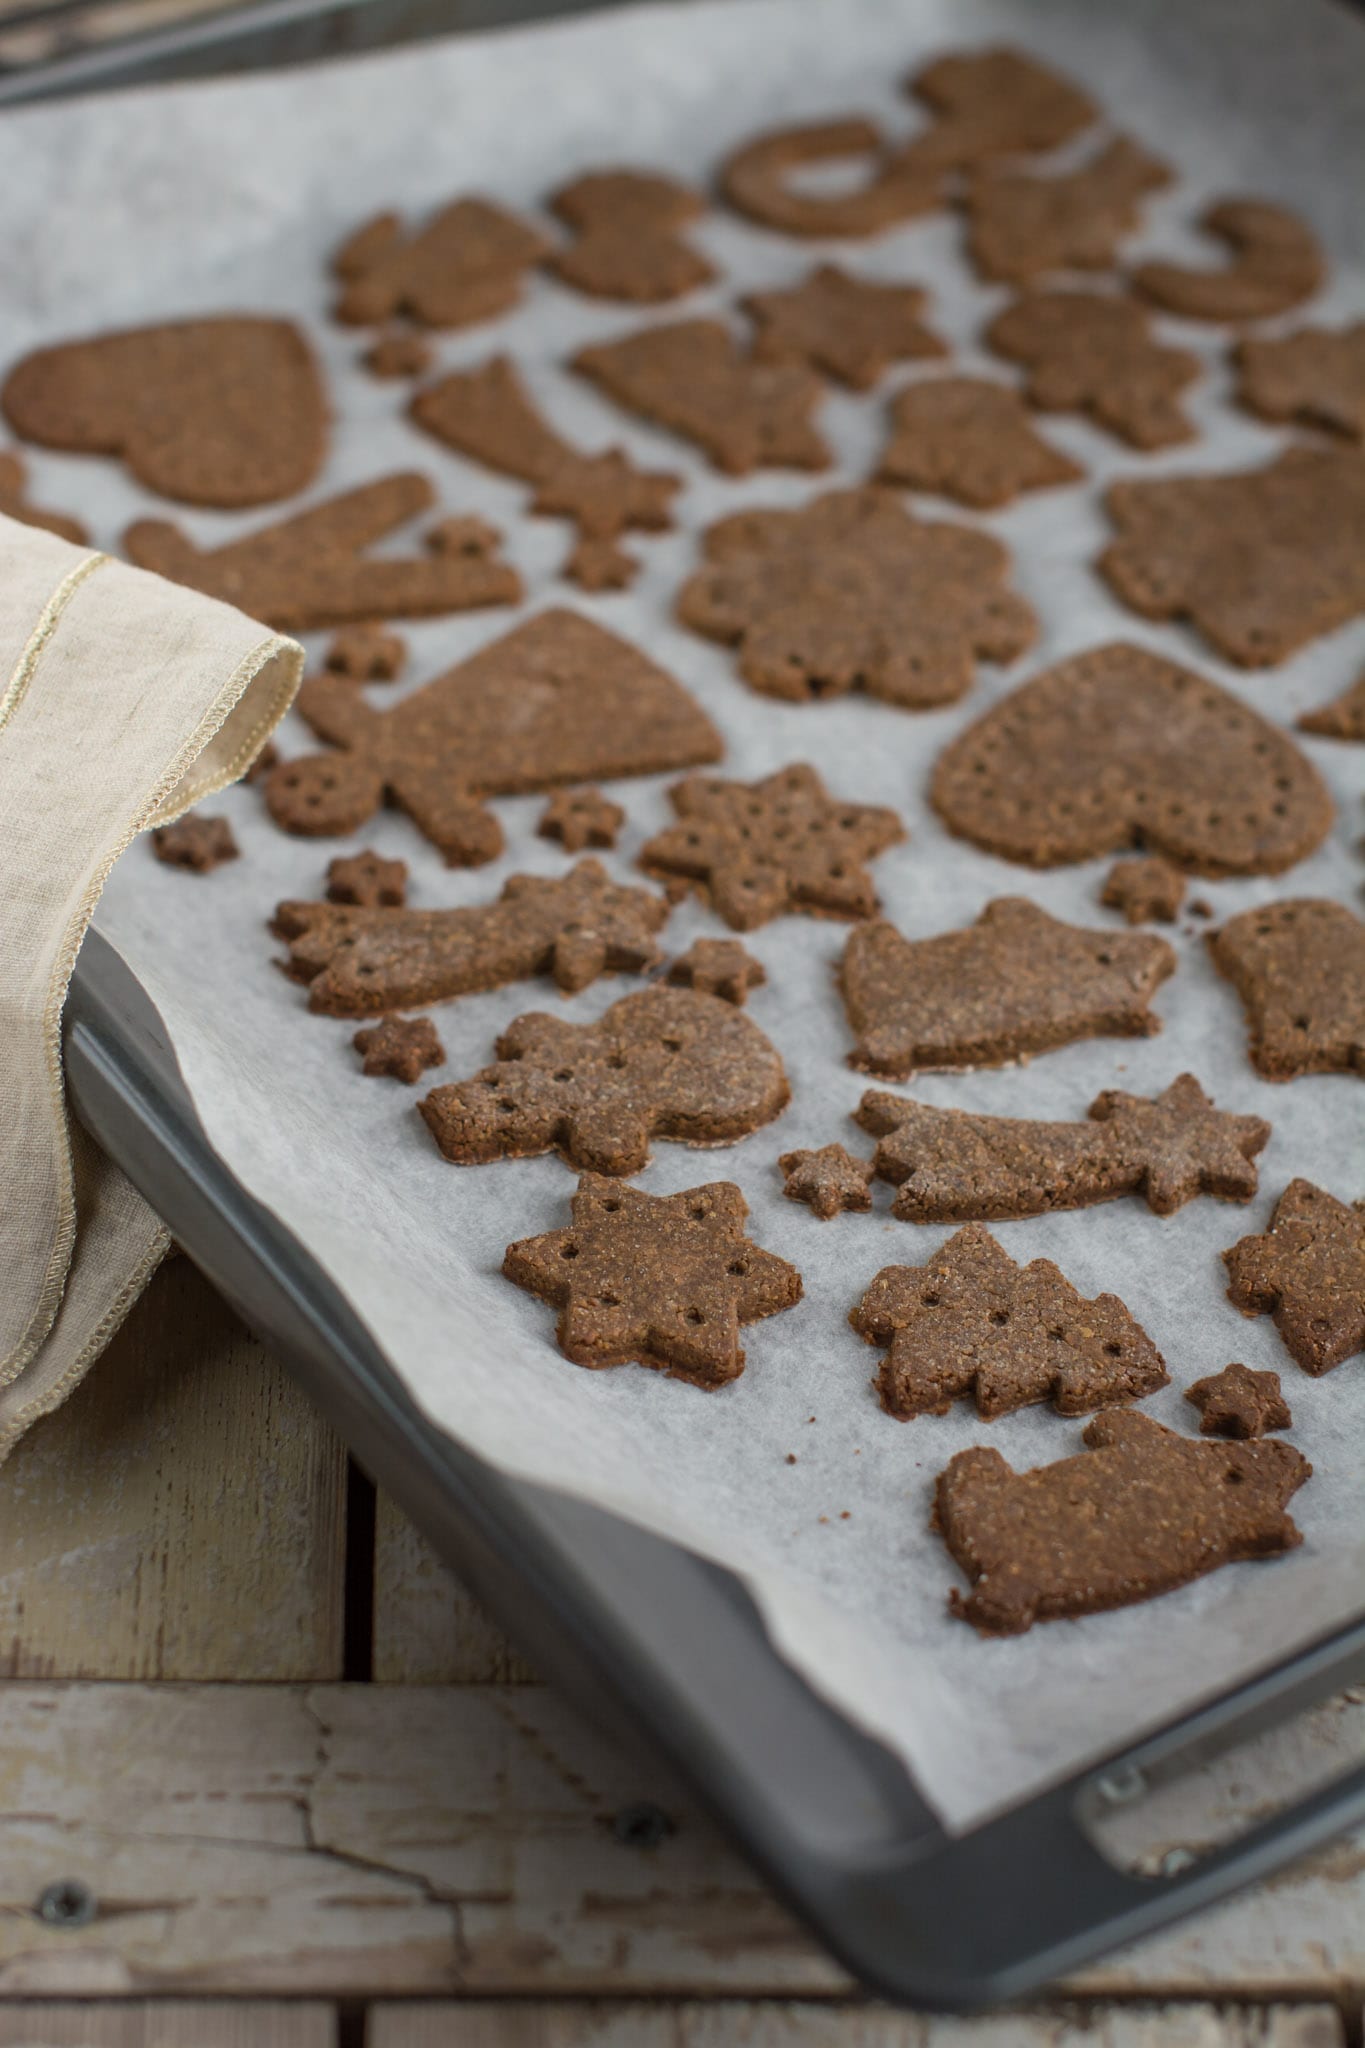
(269, 1780)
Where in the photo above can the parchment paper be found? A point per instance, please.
(231, 196)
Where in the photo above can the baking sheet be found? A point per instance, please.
(229, 196)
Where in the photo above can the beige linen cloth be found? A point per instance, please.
(124, 700)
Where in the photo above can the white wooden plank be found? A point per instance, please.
(427, 1629)
(172, 2023)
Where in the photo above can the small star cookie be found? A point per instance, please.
(402, 1047)
(828, 1180)
(1238, 1402)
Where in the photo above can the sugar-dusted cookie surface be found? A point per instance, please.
(1024, 224)
(663, 1062)
(312, 569)
(360, 962)
(1139, 1512)
(1341, 718)
(756, 850)
(1314, 377)
(852, 592)
(466, 264)
(1308, 1272)
(991, 102)
(970, 439)
(1299, 967)
(852, 328)
(953, 1166)
(1274, 262)
(1117, 747)
(400, 1047)
(694, 378)
(196, 842)
(665, 1281)
(1239, 1403)
(1087, 351)
(228, 411)
(1260, 561)
(629, 236)
(1015, 983)
(971, 1323)
(558, 699)
(15, 503)
(1147, 889)
(757, 179)
(828, 1179)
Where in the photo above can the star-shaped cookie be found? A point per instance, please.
(1238, 1402)
(719, 967)
(367, 879)
(579, 818)
(827, 1180)
(849, 327)
(367, 653)
(1147, 889)
(195, 842)
(1308, 1272)
(402, 1047)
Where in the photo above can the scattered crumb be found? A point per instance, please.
(845, 1515)
(791, 1457)
(1201, 907)
(824, 1518)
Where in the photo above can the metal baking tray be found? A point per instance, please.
(673, 1644)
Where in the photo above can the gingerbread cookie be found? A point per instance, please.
(1139, 1512)
(971, 1323)
(311, 569)
(402, 352)
(659, 1280)
(366, 654)
(224, 412)
(757, 180)
(401, 1047)
(1314, 377)
(1261, 561)
(994, 102)
(1085, 352)
(719, 967)
(852, 592)
(596, 565)
(693, 378)
(579, 818)
(828, 1180)
(1117, 747)
(1299, 967)
(628, 243)
(558, 699)
(951, 1166)
(195, 842)
(665, 1062)
(465, 265)
(756, 850)
(1015, 983)
(1021, 225)
(1147, 890)
(849, 327)
(969, 439)
(14, 504)
(369, 880)
(361, 962)
(1239, 1403)
(1274, 262)
(1341, 718)
(1308, 1272)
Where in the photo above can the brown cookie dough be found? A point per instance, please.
(971, 1323)
(1299, 967)
(1021, 225)
(361, 962)
(1015, 983)
(1341, 718)
(1274, 262)
(465, 265)
(367, 879)
(226, 412)
(629, 245)
(558, 699)
(402, 352)
(1087, 352)
(1314, 377)
(664, 1281)
(719, 967)
(15, 504)
(994, 102)
(972, 440)
(1239, 1403)
(664, 1062)
(600, 565)
(367, 653)
(1139, 1512)
(852, 592)
(1260, 561)
(952, 1166)
(311, 570)
(757, 850)
(757, 180)
(195, 842)
(1116, 748)
(400, 1047)
(828, 1180)
(851, 328)
(1308, 1272)
(1148, 890)
(579, 818)
(693, 378)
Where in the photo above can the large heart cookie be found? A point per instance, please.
(1117, 748)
